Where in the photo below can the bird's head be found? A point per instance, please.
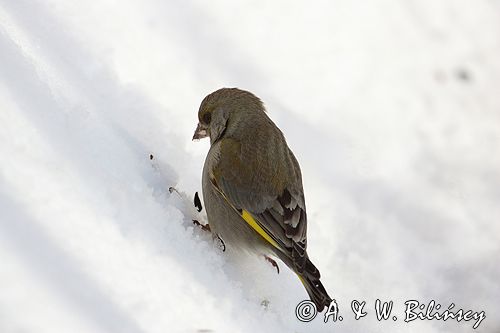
(225, 109)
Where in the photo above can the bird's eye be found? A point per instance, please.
(207, 117)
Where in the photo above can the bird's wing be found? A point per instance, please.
(269, 197)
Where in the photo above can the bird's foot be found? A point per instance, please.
(204, 227)
(273, 262)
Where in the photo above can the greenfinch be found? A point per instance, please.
(252, 185)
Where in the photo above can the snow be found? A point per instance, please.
(391, 107)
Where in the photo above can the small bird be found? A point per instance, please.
(252, 185)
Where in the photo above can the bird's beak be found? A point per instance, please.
(200, 132)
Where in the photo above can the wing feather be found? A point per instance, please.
(274, 199)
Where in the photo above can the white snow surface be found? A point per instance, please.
(391, 107)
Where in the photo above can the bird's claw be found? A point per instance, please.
(273, 262)
(205, 227)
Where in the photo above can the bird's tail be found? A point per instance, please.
(309, 276)
(317, 293)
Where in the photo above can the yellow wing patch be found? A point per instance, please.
(247, 217)
(255, 226)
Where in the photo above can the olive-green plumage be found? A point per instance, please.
(249, 168)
